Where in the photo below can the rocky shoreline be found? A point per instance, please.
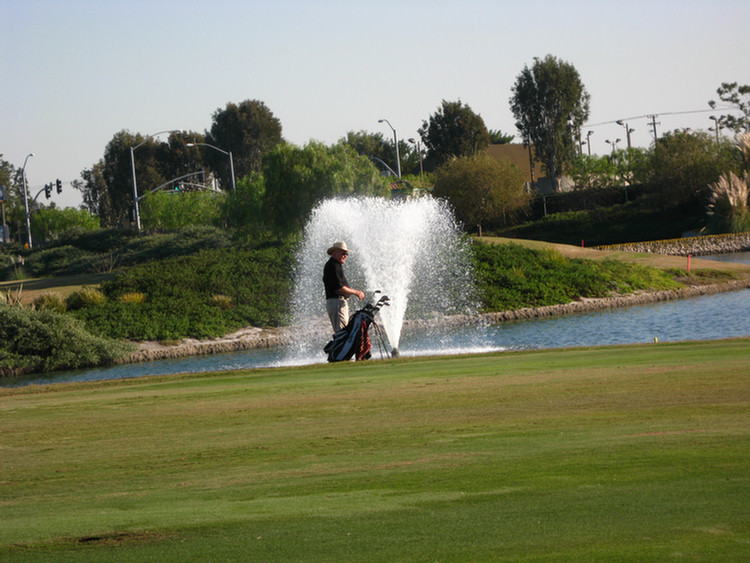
(693, 246)
(258, 338)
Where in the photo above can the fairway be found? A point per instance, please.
(623, 454)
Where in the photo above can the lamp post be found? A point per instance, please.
(228, 153)
(395, 145)
(628, 130)
(136, 211)
(419, 152)
(588, 141)
(717, 127)
(26, 200)
(613, 143)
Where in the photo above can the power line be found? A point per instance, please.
(650, 115)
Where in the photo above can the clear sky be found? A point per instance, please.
(75, 72)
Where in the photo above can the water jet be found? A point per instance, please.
(411, 250)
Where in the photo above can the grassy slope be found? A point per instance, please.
(637, 453)
(660, 261)
(64, 285)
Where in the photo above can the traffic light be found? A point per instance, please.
(47, 190)
(58, 183)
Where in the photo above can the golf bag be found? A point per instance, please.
(354, 338)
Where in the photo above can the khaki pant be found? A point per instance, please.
(338, 312)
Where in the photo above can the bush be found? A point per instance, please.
(180, 295)
(36, 341)
(50, 302)
(512, 277)
(85, 297)
(132, 297)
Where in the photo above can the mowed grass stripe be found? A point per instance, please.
(638, 451)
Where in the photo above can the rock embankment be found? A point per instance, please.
(694, 246)
(256, 338)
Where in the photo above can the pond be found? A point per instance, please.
(725, 315)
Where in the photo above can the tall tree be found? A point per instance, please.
(550, 105)
(107, 186)
(248, 130)
(454, 130)
(738, 96)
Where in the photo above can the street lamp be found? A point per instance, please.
(228, 153)
(26, 199)
(717, 127)
(588, 141)
(419, 152)
(136, 212)
(395, 145)
(628, 130)
(613, 143)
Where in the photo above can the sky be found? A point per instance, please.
(76, 72)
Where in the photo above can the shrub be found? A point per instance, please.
(728, 207)
(32, 340)
(50, 301)
(180, 295)
(132, 297)
(512, 276)
(222, 301)
(85, 297)
(51, 261)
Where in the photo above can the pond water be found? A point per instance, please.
(725, 315)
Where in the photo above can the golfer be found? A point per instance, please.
(336, 286)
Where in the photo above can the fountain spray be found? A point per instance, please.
(412, 251)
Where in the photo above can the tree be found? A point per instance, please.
(377, 148)
(296, 179)
(738, 96)
(482, 189)
(248, 130)
(13, 206)
(497, 137)
(243, 208)
(48, 223)
(163, 210)
(107, 187)
(550, 105)
(684, 163)
(454, 130)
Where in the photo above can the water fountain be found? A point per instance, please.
(411, 250)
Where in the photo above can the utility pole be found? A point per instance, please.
(653, 126)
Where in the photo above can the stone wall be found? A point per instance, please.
(695, 246)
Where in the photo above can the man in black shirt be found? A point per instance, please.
(336, 286)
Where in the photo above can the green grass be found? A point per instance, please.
(627, 454)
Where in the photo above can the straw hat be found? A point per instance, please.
(338, 246)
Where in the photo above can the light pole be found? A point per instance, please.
(136, 211)
(628, 130)
(613, 143)
(26, 199)
(717, 127)
(228, 153)
(419, 152)
(588, 141)
(395, 145)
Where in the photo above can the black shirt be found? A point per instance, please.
(333, 278)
